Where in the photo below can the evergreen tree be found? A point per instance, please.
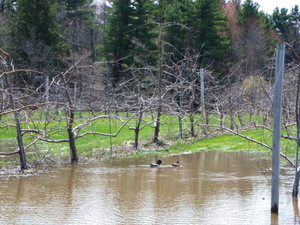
(129, 37)
(143, 35)
(6, 7)
(78, 24)
(249, 11)
(35, 37)
(208, 26)
(270, 35)
(117, 40)
(295, 18)
(288, 26)
(282, 22)
(177, 30)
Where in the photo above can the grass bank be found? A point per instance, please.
(98, 146)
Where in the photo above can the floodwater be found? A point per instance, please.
(209, 188)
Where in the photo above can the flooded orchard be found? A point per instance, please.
(208, 188)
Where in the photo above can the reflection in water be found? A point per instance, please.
(274, 219)
(209, 188)
(296, 209)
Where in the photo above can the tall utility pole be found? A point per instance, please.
(280, 51)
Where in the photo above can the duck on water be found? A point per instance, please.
(158, 162)
(176, 164)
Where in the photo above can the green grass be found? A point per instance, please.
(231, 142)
(98, 146)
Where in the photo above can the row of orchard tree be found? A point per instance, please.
(50, 110)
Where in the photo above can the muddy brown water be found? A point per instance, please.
(209, 188)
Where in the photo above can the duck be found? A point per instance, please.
(158, 162)
(176, 164)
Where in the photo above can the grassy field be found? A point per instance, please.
(97, 146)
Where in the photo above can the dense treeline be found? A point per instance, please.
(47, 35)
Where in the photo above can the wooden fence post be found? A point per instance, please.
(202, 99)
(47, 97)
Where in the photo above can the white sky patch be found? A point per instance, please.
(268, 6)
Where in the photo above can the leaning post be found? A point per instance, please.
(280, 51)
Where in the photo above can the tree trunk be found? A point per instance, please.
(72, 144)
(137, 128)
(17, 121)
(136, 137)
(157, 125)
(192, 122)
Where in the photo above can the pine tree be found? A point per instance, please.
(288, 26)
(143, 35)
(35, 37)
(208, 26)
(129, 37)
(177, 30)
(117, 40)
(77, 21)
(6, 7)
(249, 11)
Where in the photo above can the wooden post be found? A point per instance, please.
(202, 98)
(75, 92)
(280, 51)
(2, 96)
(107, 109)
(179, 102)
(47, 96)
